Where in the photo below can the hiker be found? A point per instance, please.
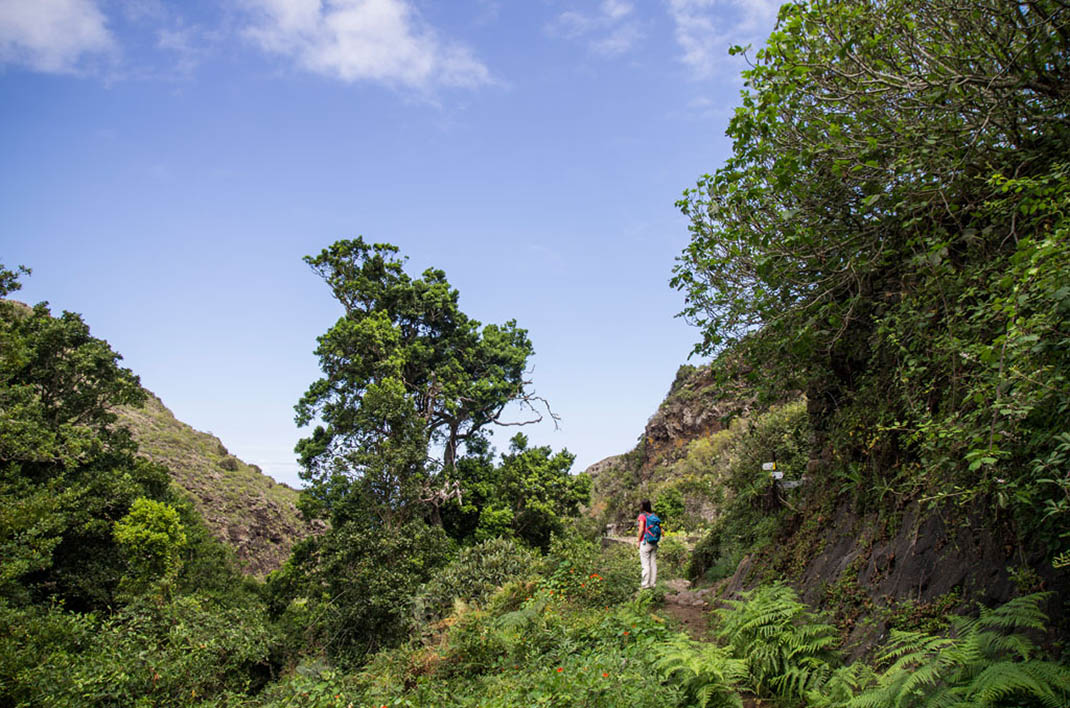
(649, 535)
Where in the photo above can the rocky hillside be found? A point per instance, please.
(695, 408)
(872, 559)
(245, 508)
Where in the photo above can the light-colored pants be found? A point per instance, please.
(648, 558)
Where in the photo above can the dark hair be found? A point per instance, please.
(645, 506)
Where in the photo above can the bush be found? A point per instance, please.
(582, 572)
(475, 574)
(169, 655)
(150, 539)
(989, 660)
(673, 556)
(357, 584)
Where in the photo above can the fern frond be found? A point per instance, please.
(1020, 613)
(1001, 644)
(1004, 680)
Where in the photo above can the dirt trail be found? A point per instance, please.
(689, 607)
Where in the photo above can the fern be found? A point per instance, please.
(707, 672)
(986, 662)
(841, 685)
(785, 648)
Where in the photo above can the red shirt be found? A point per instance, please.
(642, 526)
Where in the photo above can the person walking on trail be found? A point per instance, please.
(649, 535)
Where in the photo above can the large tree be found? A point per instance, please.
(891, 235)
(408, 379)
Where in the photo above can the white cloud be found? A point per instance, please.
(607, 30)
(183, 45)
(619, 41)
(363, 40)
(616, 9)
(705, 29)
(52, 36)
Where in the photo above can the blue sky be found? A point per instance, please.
(165, 166)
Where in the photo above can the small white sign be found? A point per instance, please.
(777, 475)
(768, 466)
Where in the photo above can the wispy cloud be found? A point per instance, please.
(183, 44)
(53, 36)
(609, 29)
(383, 41)
(705, 29)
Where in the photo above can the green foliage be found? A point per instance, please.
(151, 540)
(786, 649)
(9, 279)
(751, 512)
(580, 571)
(535, 649)
(66, 470)
(403, 369)
(842, 685)
(673, 556)
(1054, 470)
(355, 586)
(987, 661)
(669, 504)
(312, 686)
(890, 235)
(475, 574)
(173, 654)
(529, 496)
(707, 672)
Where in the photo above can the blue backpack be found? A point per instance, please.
(653, 529)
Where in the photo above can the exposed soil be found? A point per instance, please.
(693, 620)
(688, 607)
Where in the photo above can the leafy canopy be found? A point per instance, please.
(405, 373)
(891, 236)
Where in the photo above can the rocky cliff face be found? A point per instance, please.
(245, 508)
(696, 406)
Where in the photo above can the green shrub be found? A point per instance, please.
(357, 585)
(713, 560)
(151, 539)
(473, 644)
(151, 654)
(510, 596)
(31, 637)
(673, 556)
(313, 686)
(475, 574)
(669, 505)
(707, 673)
(583, 572)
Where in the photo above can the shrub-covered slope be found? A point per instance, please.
(245, 508)
(874, 558)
